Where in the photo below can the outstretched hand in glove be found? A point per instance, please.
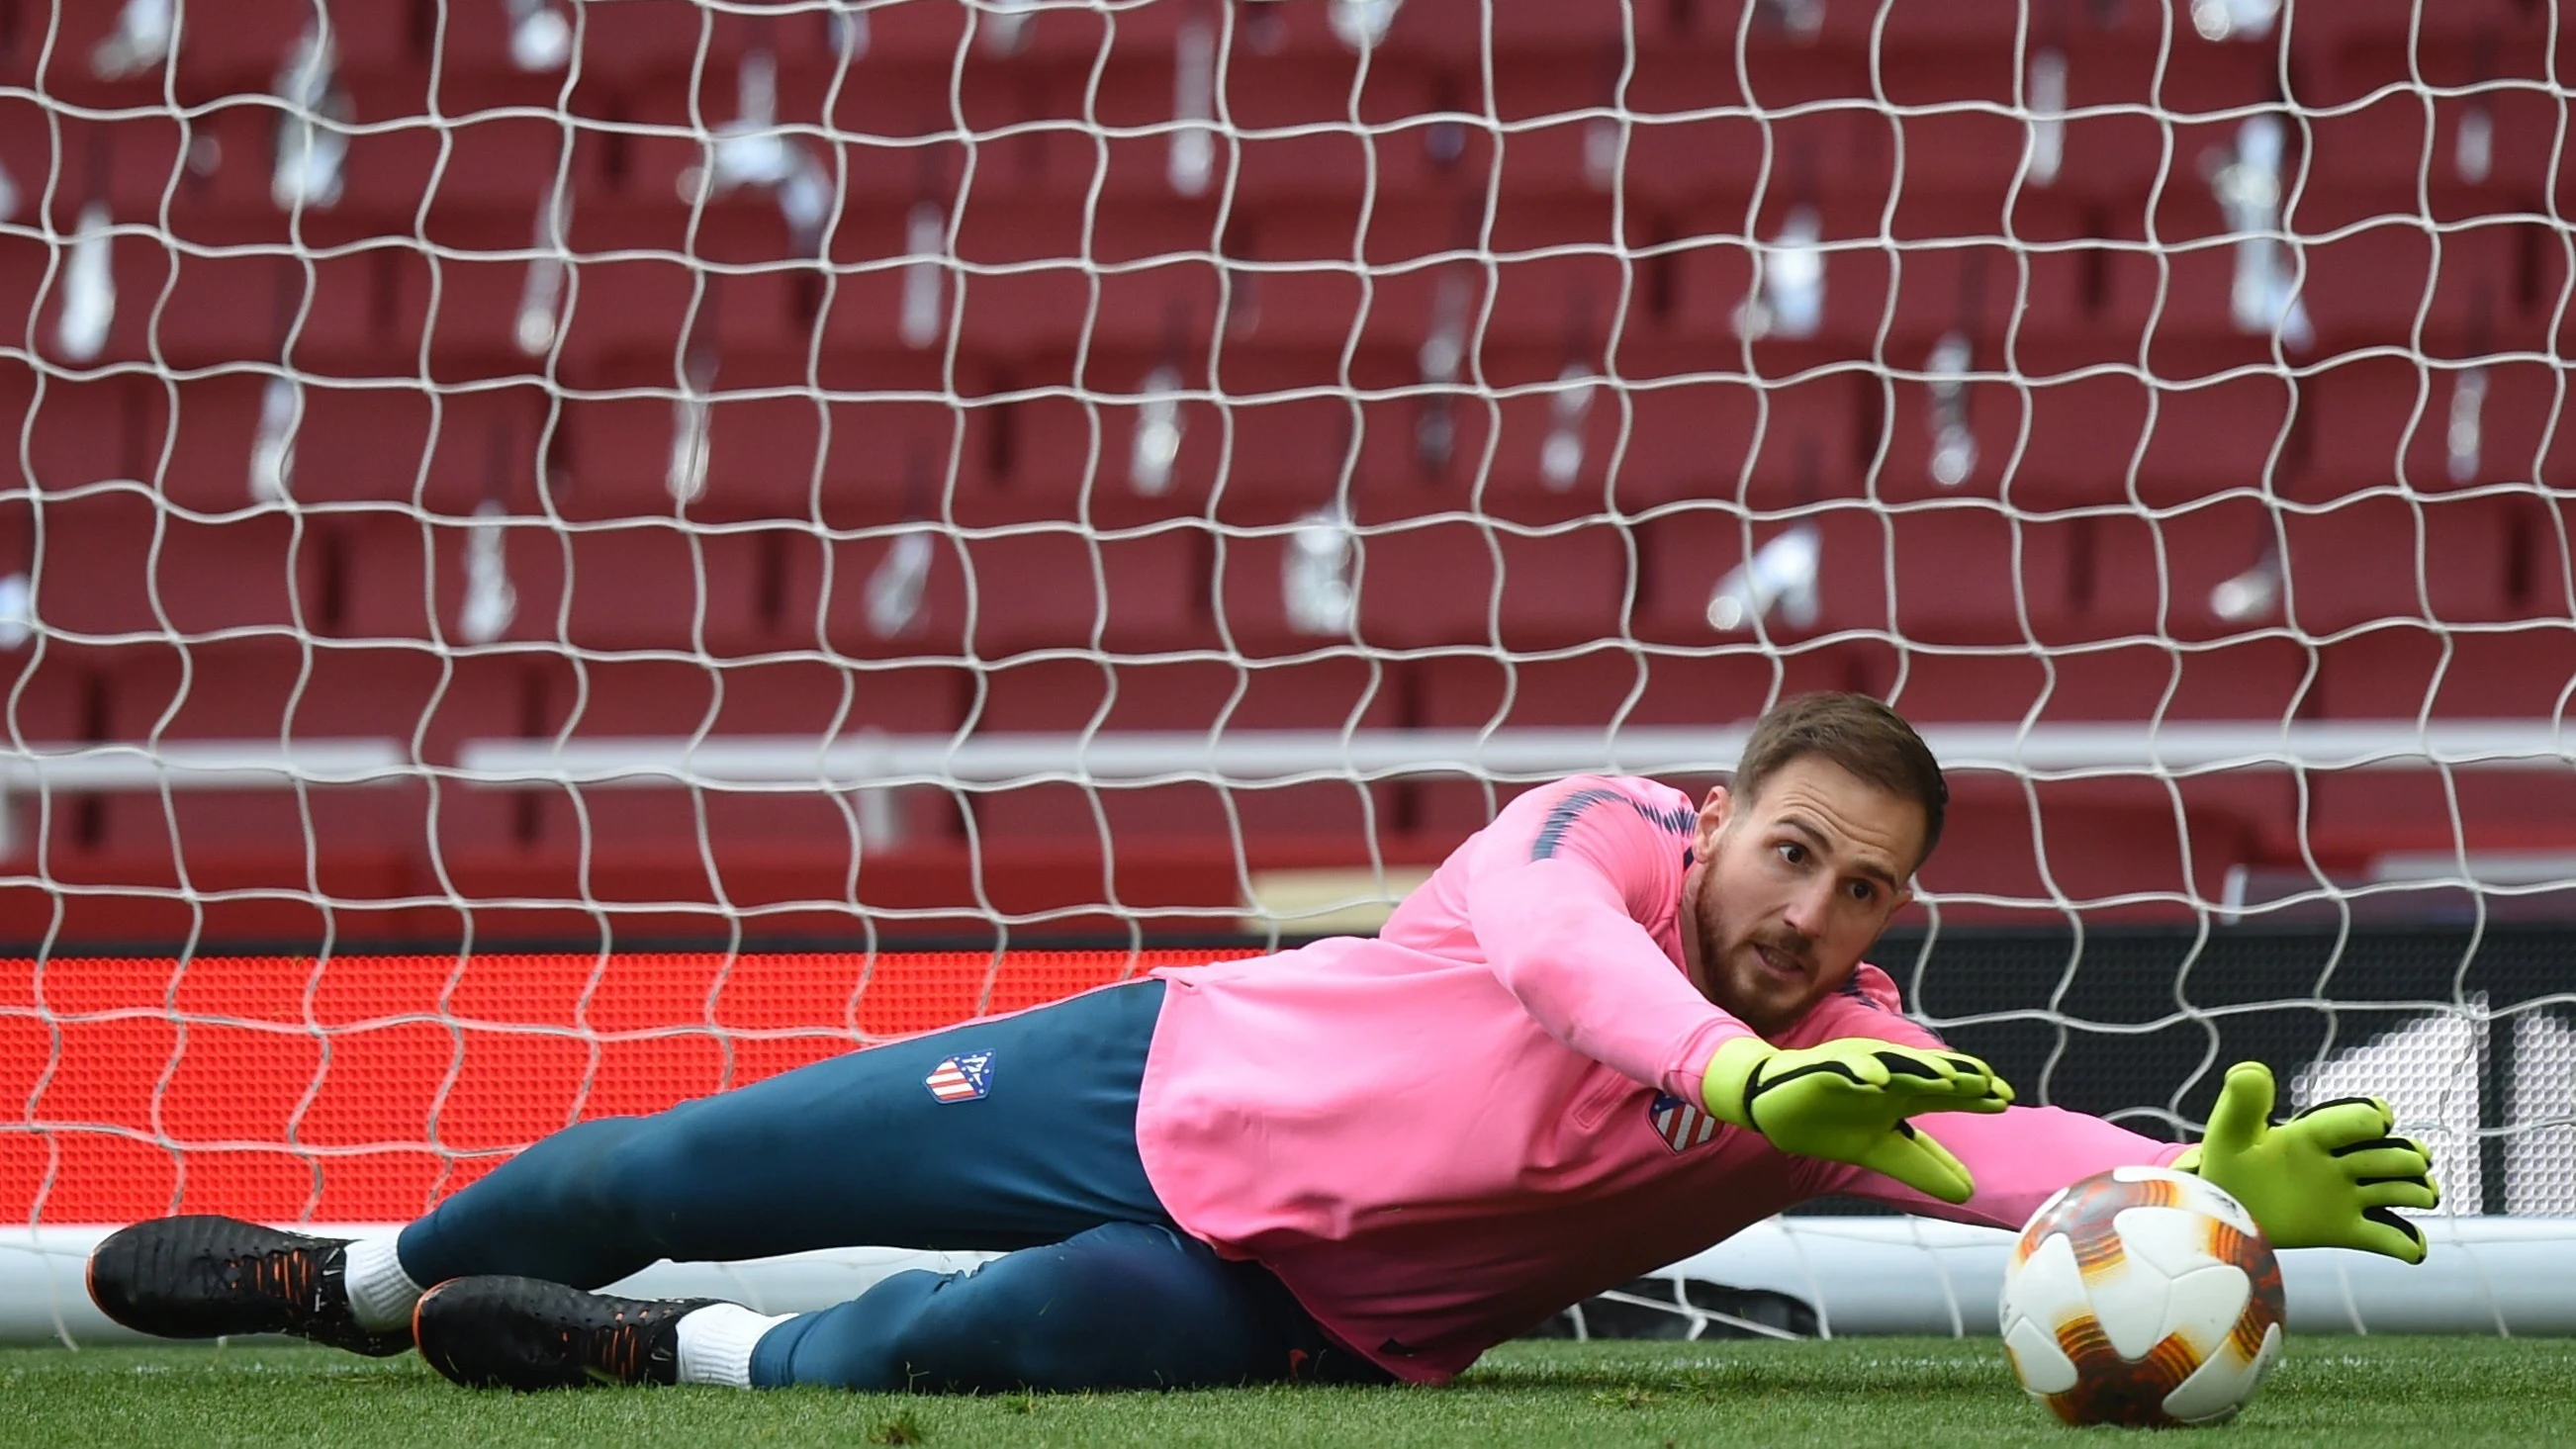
(1848, 1100)
(2330, 1177)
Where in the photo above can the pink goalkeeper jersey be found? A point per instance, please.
(1441, 1136)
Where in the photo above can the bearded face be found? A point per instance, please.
(1788, 890)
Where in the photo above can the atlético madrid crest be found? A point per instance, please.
(965, 1077)
(1682, 1125)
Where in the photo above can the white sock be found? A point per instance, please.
(381, 1294)
(716, 1343)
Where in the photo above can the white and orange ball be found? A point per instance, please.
(2142, 1296)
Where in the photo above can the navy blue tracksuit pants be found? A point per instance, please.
(1017, 1135)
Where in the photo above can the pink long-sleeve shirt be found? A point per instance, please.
(1440, 1136)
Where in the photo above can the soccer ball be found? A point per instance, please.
(2142, 1296)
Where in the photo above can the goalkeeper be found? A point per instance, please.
(1609, 1032)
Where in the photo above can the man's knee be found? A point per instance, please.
(621, 1172)
(1119, 1307)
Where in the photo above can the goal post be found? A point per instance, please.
(557, 555)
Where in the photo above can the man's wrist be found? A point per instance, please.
(1729, 1076)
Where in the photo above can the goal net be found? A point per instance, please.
(560, 555)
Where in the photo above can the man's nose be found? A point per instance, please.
(1809, 907)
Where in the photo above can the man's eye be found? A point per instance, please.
(1862, 890)
(1793, 853)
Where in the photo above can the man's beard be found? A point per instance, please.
(1742, 984)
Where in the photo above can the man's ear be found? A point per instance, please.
(1713, 813)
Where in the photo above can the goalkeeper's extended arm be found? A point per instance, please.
(1847, 1101)
(2330, 1177)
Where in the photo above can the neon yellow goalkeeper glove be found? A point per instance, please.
(2329, 1177)
(1847, 1101)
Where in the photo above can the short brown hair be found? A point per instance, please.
(1861, 735)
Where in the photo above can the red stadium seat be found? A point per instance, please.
(59, 699)
(58, 163)
(1046, 588)
(113, 563)
(1944, 267)
(671, 43)
(490, 155)
(1017, 287)
(1591, 691)
(2121, 849)
(2396, 281)
(1282, 128)
(1960, 575)
(2517, 672)
(243, 299)
(1455, 30)
(1294, 431)
(1559, 280)
(729, 282)
(1436, 582)
(2351, 564)
(1129, 282)
(2379, 152)
(460, 308)
(2384, 420)
(2071, 431)
(2155, 576)
(1324, 284)
(892, 445)
(2129, 100)
(2359, 287)
(1727, 684)
(254, 859)
(635, 586)
(1282, 823)
(246, 52)
(151, 159)
(2139, 682)
(882, 138)
(2385, 557)
(76, 431)
(271, 692)
(393, 442)
(1717, 434)
(1944, 574)
(2522, 673)
(1698, 137)
(1289, 431)
(2105, 832)
(64, 68)
(1326, 155)
(1684, 555)
(2361, 48)
(241, 55)
(797, 704)
(876, 276)
(1075, 457)
(2241, 815)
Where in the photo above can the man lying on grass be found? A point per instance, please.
(1609, 1032)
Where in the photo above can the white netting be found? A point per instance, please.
(506, 471)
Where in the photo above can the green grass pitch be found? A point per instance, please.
(2330, 1393)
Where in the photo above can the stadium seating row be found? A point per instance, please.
(1694, 297)
(388, 854)
(1967, 575)
(70, 695)
(650, 44)
(1690, 140)
(1549, 448)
